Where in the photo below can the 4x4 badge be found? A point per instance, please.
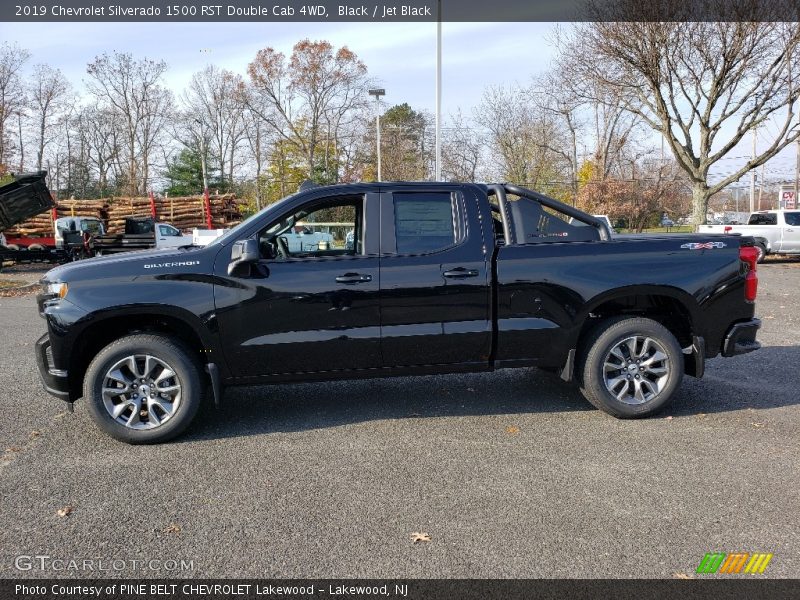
(704, 245)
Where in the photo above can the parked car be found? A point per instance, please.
(774, 231)
(442, 278)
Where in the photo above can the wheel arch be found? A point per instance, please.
(103, 329)
(764, 242)
(672, 307)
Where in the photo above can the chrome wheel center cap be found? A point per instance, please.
(144, 390)
(633, 368)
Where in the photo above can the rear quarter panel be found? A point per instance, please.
(547, 291)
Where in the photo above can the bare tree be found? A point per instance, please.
(12, 93)
(702, 85)
(462, 150)
(132, 89)
(101, 133)
(49, 93)
(259, 138)
(518, 136)
(214, 97)
(306, 101)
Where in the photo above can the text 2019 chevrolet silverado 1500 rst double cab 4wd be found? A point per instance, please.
(439, 278)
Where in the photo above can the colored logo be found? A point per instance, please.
(704, 245)
(735, 562)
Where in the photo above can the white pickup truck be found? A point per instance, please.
(304, 239)
(775, 231)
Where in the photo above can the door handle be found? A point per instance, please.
(460, 273)
(350, 278)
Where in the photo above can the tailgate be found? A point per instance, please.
(23, 198)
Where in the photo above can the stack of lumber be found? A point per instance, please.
(182, 212)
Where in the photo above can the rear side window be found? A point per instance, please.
(424, 222)
(792, 218)
(763, 219)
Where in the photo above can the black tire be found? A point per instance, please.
(642, 389)
(171, 354)
(762, 252)
(36, 248)
(14, 247)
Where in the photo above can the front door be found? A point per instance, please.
(306, 307)
(791, 233)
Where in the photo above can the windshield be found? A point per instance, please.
(237, 231)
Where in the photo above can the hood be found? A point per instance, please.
(136, 262)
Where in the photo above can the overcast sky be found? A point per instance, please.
(402, 56)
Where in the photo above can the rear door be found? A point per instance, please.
(435, 294)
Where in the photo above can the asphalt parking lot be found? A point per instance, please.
(511, 474)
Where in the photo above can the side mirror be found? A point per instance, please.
(243, 252)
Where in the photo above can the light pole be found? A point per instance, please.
(438, 151)
(378, 92)
(797, 169)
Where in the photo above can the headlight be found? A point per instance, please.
(58, 290)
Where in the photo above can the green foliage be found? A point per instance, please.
(185, 174)
(403, 152)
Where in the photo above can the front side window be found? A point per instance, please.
(167, 230)
(324, 229)
(424, 222)
(792, 218)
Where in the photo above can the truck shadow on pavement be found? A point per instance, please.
(757, 381)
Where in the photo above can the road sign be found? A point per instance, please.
(788, 199)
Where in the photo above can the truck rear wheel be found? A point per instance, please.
(630, 367)
(762, 252)
(144, 389)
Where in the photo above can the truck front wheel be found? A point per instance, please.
(144, 388)
(630, 367)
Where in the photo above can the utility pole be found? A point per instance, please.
(753, 178)
(438, 153)
(797, 175)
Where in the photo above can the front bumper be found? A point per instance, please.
(55, 381)
(741, 338)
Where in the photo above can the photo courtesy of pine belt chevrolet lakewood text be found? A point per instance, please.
(384, 279)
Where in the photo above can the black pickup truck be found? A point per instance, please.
(438, 278)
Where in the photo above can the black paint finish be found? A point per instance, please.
(474, 305)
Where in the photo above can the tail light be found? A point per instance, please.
(749, 255)
(727, 229)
